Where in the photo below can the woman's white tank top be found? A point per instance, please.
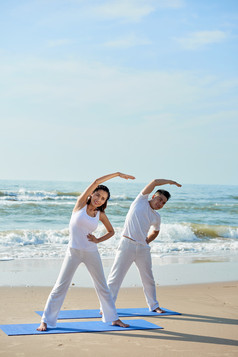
(80, 225)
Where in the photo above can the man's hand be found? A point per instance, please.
(152, 236)
(170, 182)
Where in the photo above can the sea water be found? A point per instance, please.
(198, 220)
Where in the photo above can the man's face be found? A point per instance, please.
(158, 201)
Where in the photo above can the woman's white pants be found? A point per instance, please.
(71, 262)
(128, 252)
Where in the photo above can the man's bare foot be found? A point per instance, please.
(159, 310)
(119, 323)
(42, 327)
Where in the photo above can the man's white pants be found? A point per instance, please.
(71, 262)
(128, 252)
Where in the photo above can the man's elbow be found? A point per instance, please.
(156, 233)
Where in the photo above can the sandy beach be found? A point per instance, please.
(208, 325)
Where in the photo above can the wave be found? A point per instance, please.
(26, 196)
(25, 237)
(29, 196)
(67, 194)
(215, 207)
(122, 197)
(173, 239)
(219, 248)
(214, 231)
(186, 232)
(195, 232)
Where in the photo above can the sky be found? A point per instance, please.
(145, 87)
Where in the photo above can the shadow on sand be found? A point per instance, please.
(188, 337)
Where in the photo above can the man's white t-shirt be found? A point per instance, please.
(139, 220)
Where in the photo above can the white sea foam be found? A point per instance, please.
(232, 233)
(176, 232)
(175, 239)
(25, 195)
(203, 249)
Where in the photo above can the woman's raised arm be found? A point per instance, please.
(82, 199)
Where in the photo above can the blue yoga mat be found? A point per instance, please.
(76, 327)
(129, 312)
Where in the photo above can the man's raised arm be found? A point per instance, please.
(158, 182)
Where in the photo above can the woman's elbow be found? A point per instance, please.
(96, 182)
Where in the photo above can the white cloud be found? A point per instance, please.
(132, 10)
(171, 3)
(199, 39)
(61, 12)
(129, 10)
(60, 42)
(127, 42)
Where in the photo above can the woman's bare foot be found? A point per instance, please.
(119, 323)
(42, 327)
(159, 310)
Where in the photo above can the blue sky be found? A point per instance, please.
(142, 86)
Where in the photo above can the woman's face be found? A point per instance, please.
(98, 198)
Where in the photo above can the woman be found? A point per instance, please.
(82, 248)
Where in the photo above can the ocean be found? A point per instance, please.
(199, 221)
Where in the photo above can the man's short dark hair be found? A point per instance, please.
(165, 193)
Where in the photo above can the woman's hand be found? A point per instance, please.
(92, 238)
(125, 176)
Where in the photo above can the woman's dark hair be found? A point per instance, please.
(104, 205)
(165, 193)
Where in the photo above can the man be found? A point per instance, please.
(141, 227)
